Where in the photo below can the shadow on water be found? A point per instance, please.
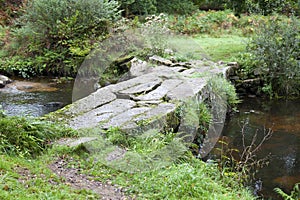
(283, 116)
(34, 98)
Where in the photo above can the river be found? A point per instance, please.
(35, 98)
(283, 117)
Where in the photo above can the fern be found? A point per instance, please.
(295, 194)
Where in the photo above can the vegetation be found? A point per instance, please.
(10, 9)
(134, 7)
(183, 180)
(28, 137)
(32, 179)
(57, 42)
(276, 49)
(273, 56)
(183, 176)
(264, 7)
(222, 89)
(295, 193)
(243, 163)
(53, 37)
(187, 178)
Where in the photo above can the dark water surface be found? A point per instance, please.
(283, 117)
(35, 98)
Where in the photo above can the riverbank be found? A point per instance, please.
(185, 179)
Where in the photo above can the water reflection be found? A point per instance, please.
(284, 119)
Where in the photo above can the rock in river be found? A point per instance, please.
(4, 81)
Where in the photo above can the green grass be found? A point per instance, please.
(37, 183)
(186, 178)
(223, 47)
(28, 137)
(181, 180)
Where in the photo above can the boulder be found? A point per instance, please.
(4, 80)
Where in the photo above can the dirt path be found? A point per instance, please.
(81, 181)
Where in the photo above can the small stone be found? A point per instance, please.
(159, 60)
(138, 68)
(233, 64)
(169, 51)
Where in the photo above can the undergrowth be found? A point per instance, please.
(295, 193)
(25, 179)
(186, 178)
(28, 137)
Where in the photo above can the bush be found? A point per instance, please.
(10, 9)
(264, 7)
(146, 7)
(276, 49)
(58, 34)
(22, 137)
(203, 22)
(137, 7)
(180, 7)
(209, 4)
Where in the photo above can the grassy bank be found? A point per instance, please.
(32, 179)
(33, 167)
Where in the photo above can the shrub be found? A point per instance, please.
(223, 90)
(10, 9)
(209, 4)
(203, 22)
(22, 137)
(137, 7)
(180, 7)
(264, 7)
(58, 34)
(146, 7)
(276, 48)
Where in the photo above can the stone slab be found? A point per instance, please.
(125, 117)
(94, 100)
(101, 114)
(141, 88)
(159, 60)
(121, 86)
(181, 92)
(161, 91)
(147, 99)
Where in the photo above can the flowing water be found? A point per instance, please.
(283, 117)
(34, 98)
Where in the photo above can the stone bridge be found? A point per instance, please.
(149, 98)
